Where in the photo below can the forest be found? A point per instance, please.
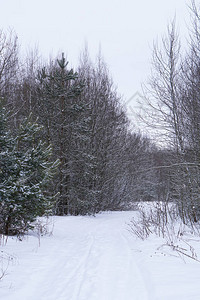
(67, 146)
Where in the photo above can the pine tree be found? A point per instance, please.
(60, 113)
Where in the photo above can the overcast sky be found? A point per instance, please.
(125, 29)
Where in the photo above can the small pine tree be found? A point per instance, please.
(25, 171)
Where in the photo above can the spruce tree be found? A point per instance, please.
(25, 171)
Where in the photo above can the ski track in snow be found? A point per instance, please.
(143, 274)
(96, 258)
(89, 261)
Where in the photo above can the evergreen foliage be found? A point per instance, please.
(25, 171)
(60, 112)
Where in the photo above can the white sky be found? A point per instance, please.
(124, 29)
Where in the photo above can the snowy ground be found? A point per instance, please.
(96, 258)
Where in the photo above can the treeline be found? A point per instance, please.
(69, 146)
(66, 144)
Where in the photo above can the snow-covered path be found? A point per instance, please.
(96, 258)
(88, 259)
